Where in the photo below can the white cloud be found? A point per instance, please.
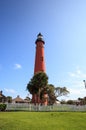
(10, 90)
(17, 66)
(76, 93)
(75, 84)
(76, 80)
(77, 74)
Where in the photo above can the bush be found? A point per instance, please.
(70, 102)
(3, 107)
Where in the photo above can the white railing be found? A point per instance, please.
(31, 107)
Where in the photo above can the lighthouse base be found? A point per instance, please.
(36, 99)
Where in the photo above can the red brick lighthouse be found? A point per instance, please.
(39, 59)
(39, 65)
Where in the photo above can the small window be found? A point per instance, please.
(42, 58)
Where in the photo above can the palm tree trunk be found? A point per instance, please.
(39, 96)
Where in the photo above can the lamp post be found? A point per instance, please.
(84, 83)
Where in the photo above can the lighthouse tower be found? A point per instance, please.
(39, 65)
(39, 59)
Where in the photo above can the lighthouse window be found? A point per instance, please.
(42, 58)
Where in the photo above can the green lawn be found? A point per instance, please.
(42, 121)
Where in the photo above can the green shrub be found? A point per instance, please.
(3, 107)
(71, 102)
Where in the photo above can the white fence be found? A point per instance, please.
(31, 107)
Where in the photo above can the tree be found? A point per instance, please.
(61, 91)
(27, 99)
(9, 99)
(55, 92)
(70, 102)
(82, 101)
(38, 84)
(51, 94)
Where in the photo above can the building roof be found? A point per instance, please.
(1, 95)
(18, 99)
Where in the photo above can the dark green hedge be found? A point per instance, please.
(3, 107)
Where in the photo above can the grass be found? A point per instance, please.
(42, 120)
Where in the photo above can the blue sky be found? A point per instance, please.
(63, 25)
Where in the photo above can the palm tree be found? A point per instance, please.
(38, 84)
